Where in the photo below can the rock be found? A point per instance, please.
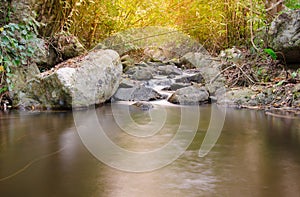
(232, 54)
(211, 74)
(196, 78)
(61, 47)
(237, 98)
(79, 82)
(169, 70)
(127, 83)
(4, 11)
(142, 75)
(296, 88)
(69, 46)
(158, 54)
(41, 55)
(159, 82)
(21, 10)
(29, 104)
(144, 106)
(141, 72)
(285, 35)
(127, 62)
(195, 60)
(176, 86)
(139, 93)
(142, 64)
(296, 95)
(156, 64)
(193, 95)
(20, 76)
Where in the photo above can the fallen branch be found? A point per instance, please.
(227, 68)
(215, 78)
(281, 116)
(245, 74)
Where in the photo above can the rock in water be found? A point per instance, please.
(79, 82)
(192, 95)
(138, 93)
(144, 106)
(285, 35)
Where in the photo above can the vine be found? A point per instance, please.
(16, 49)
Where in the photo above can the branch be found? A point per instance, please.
(251, 26)
(274, 5)
(281, 116)
(213, 80)
(245, 74)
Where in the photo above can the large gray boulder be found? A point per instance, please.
(79, 82)
(285, 35)
(192, 95)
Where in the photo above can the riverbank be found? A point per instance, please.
(247, 81)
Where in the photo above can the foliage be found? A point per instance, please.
(271, 53)
(216, 24)
(16, 49)
(292, 4)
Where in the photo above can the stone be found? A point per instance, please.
(142, 74)
(233, 54)
(4, 11)
(65, 46)
(127, 62)
(21, 10)
(176, 86)
(79, 82)
(139, 93)
(192, 95)
(159, 54)
(212, 76)
(195, 60)
(169, 70)
(196, 78)
(284, 35)
(144, 106)
(159, 82)
(127, 83)
(41, 55)
(21, 75)
(237, 98)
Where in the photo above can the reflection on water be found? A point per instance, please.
(256, 155)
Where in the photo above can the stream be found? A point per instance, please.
(41, 154)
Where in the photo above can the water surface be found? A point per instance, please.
(41, 154)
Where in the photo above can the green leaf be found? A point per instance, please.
(271, 53)
(9, 74)
(24, 32)
(7, 69)
(5, 40)
(3, 89)
(280, 83)
(16, 62)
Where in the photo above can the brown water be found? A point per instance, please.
(41, 154)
